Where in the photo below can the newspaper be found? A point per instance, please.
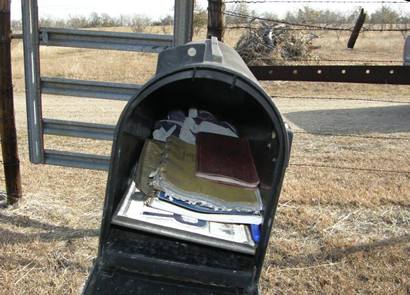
(134, 207)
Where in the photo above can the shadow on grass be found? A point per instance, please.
(338, 254)
(51, 232)
(389, 119)
(59, 264)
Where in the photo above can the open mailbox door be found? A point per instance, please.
(141, 259)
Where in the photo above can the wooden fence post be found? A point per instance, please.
(216, 19)
(7, 121)
(356, 29)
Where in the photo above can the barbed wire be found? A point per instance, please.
(339, 98)
(310, 26)
(368, 29)
(316, 27)
(364, 29)
(338, 167)
(314, 1)
(259, 27)
(326, 166)
(318, 60)
(330, 134)
(321, 61)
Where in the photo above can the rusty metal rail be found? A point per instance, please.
(399, 75)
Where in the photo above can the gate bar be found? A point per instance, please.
(77, 160)
(91, 89)
(78, 129)
(183, 21)
(32, 80)
(139, 42)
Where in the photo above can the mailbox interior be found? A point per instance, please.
(228, 103)
(231, 99)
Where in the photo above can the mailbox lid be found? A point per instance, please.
(208, 53)
(120, 282)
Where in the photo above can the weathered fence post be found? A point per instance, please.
(356, 30)
(7, 122)
(216, 19)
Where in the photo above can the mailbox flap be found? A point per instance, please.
(104, 280)
(199, 54)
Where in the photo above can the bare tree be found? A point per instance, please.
(138, 23)
(200, 18)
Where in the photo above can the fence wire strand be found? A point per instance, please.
(359, 136)
(314, 1)
(340, 98)
(305, 27)
(310, 26)
(326, 166)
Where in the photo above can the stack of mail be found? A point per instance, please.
(176, 178)
(166, 173)
(135, 213)
(174, 196)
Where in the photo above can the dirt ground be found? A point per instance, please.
(337, 230)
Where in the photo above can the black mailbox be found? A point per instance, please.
(205, 75)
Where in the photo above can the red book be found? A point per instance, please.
(226, 159)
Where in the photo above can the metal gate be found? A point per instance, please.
(36, 85)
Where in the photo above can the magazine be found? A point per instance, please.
(133, 212)
(186, 209)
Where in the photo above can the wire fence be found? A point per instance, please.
(339, 167)
(304, 27)
(313, 60)
(341, 98)
(354, 135)
(370, 170)
(311, 26)
(314, 1)
(358, 136)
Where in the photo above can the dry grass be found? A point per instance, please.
(336, 231)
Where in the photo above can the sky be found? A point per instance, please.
(155, 9)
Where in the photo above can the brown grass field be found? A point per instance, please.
(336, 232)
